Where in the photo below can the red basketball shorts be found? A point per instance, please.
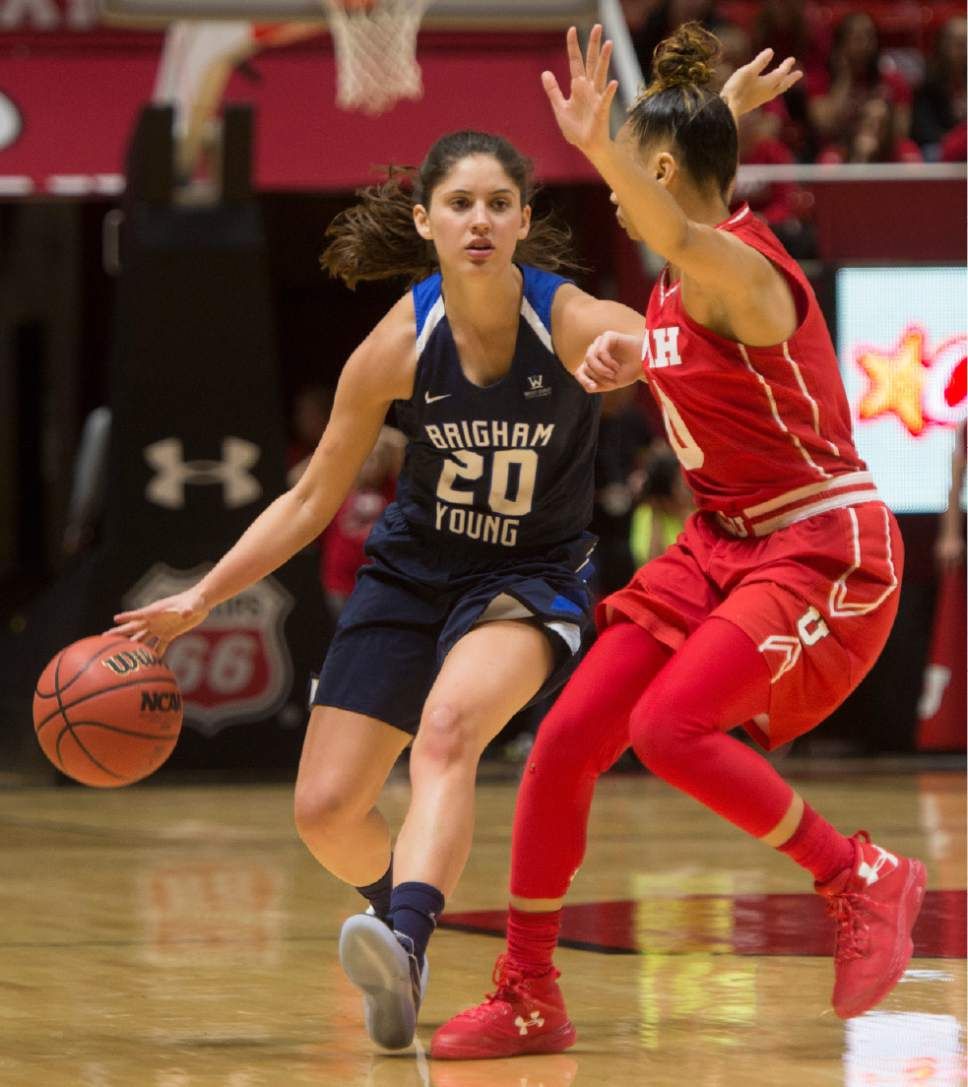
(817, 598)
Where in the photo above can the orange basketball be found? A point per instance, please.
(107, 712)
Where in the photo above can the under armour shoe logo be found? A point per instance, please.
(533, 1020)
(871, 873)
(173, 472)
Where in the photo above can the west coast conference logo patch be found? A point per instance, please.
(234, 667)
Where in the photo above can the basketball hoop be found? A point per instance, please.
(376, 51)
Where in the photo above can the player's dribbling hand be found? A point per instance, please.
(612, 361)
(748, 87)
(583, 117)
(158, 624)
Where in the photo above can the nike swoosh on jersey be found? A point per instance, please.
(430, 399)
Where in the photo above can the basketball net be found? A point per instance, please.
(375, 42)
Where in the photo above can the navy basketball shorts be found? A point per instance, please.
(409, 609)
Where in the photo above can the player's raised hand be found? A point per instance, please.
(612, 361)
(583, 116)
(158, 624)
(752, 86)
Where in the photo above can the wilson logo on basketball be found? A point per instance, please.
(122, 663)
(233, 667)
(160, 701)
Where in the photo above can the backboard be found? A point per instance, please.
(441, 14)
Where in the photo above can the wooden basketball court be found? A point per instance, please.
(183, 937)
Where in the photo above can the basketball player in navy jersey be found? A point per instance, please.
(474, 603)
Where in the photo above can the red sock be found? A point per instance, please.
(818, 847)
(532, 938)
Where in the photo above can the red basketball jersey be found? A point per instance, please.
(763, 433)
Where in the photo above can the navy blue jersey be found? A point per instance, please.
(505, 466)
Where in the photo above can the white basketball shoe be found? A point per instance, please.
(378, 962)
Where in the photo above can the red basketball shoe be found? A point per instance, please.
(523, 1015)
(875, 904)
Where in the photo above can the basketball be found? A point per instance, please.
(107, 712)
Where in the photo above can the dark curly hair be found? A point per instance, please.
(680, 106)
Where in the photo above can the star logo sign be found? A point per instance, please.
(896, 381)
(916, 385)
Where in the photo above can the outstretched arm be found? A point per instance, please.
(750, 289)
(612, 361)
(376, 373)
(752, 86)
(578, 318)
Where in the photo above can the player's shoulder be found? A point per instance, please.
(752, 231)
(386, 360)
(427, 301)
(540, 287)
(397, 328)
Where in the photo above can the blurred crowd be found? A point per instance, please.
(884, 82)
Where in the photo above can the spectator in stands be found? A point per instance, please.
(856, 73)
(663, 20)
(872, 137)
(664, 504)
(761, 143)
(784, 205)
(792, 28)
(342, 542)
(735, 51)
(88, 498)
(954, 147)
(623, 439)
(939, 104)
(949, 547)
(310, 414)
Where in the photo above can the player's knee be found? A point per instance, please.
(655, 736)
(320, 809)
(446, 738)
(561, 750)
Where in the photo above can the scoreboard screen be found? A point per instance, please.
(902, 333)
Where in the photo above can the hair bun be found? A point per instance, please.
(687, 58)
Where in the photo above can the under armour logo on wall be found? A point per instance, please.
(173, 472)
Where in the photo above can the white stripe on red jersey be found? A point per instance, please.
(763, 433)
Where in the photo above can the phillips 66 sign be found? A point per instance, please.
(235, 666)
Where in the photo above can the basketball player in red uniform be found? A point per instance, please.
(774, 602)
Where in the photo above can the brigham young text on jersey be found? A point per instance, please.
(507, 465)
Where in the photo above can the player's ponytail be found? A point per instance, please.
(685, 59)
(681, 106)
(376, 237)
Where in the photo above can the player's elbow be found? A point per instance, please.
(305, 507)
